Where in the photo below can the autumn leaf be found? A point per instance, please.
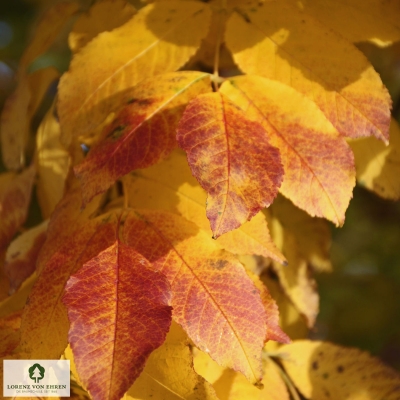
(9, 333)
(44, 334)
(318, 164)
(312, 235)
(230, 385)
(47, 29)
(15, 196)
(169, 373)
(14, 129)
(274, 332)
(169, 32)
(52, 164)
(355, 20)
(213, 299)
(144, 131)
(21, 255)
(378, 166)
(119, 313)
(183, 195)
(219, 141)
(16, 301)
(104, 15)
(332, 72)
(327, 371)
(21, 105)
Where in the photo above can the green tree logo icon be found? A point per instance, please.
(36, 372)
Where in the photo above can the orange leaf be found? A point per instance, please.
(276, 40)
(318, 163)
(45, 325)
(15, 196)
(119, 313)
(231, 158)
(143, 132)
(9, 333)
(169, 32)
(22, 254)
(213, 299)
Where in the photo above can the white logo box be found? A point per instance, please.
(36, 378)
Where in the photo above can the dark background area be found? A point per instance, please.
(360, 300)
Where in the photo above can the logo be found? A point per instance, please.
(36, 372)
(36, 378)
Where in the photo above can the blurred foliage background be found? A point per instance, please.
(360, 300)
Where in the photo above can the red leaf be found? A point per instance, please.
(231, 158)
(142, 133)
(213, 299)
(119, 313)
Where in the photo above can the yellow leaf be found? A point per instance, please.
(323, 371)
(319, 165)
(312, 235)
(159, 38)
(354, 19)
(182, 194)
(18, 112)
(290, 319)
(17, 300)
(47, 29)
(230, 385)
(295, 277)
(39, 82)
(14, 126)
(278, 41)
(22, 254)
(378, 166)
(169, 373)
(52, 163)
(15, 197)
(104, 15)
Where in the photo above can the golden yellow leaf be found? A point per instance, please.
(104, 15)
(169, 373)
(323, 371)
(353, 19)
(290, 319)
(183, 195)
(312, 235)
(378, 166)
(276, 40)
(319, 165)
(52, 163)
(295, 278)
(230, 385)
(169, 32)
